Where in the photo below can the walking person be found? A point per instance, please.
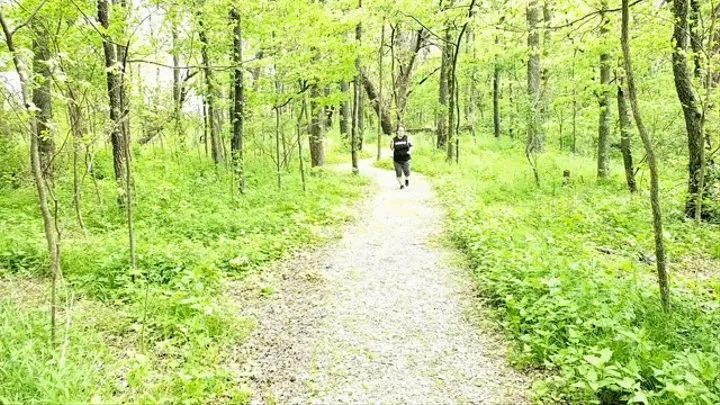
(401, 145)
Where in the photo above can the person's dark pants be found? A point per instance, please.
(402, 168)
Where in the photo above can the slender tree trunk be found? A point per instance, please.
(52, 234)
(210, 94)
(696, 37)
(206, 127)
(574, 102)
(114, 87)
(691, 112)
(496, 92)
(534, 144)
(277, 147)
(441, 128)
(603, 157)
(42, 98)
(453, 107)
(122, 74)
(625, 133)
(534, 122)
(357, 102)
(77, 126)
(361, 119)
(177, 85)
(238, 110)
(317, 150)
(345, 111)
(301, 159)
(380, 96)
(652, 162)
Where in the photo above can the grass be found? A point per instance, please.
(192, 234)
(593, 320)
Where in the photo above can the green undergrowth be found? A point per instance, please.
(192, 233)
(565, 269)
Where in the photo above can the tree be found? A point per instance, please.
(42, 97)
(535, 141)
(441, 131)
(603, 155)
(238, 108)
(691, 112)
(625, 134)
(345, 111)
(357, 93)
(115, 88)
(52, 234)
(496, 91)
(210, 95)
(651, 159)
(317, 148)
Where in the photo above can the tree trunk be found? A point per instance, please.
(696, 36)
(453, 107)
(693, 115)
(317, 150)
(177, 84)
(411, 45)
(361, 119)
(238, 110)
(625, 132)
(496, 93)
(77, 126)
(210, 94)
(535, 139)
(380, 96)
(277, 147)
(114, 88)
(301, 159)
(357, 102)
(345, 111)
(603, 157)
(380, 108)
(574, 102)
(652, 163)
(42, 93)
(52, 234)
(441, 131)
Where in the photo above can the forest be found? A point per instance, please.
(197, 206)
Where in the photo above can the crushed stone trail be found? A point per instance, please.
(377, 317)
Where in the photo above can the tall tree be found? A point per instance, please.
(52, 235)
(625, 133)
(238, 109)
(453, 110)
(441, 127)
(535, 141)
(691, 112)
(651, 159)
(114, 89)
(535, 138)
(381, 51)
(405, 47)
(496, 89)
(603, 155)
(357, 93)
(345, 110)
(317, 148)
(42, 97)
(210, 94)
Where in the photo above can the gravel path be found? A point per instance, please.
(380, 317)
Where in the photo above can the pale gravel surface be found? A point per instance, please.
(377, 317)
